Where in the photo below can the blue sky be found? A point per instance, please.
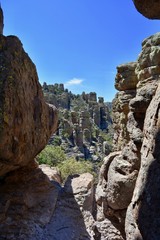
(78, 42)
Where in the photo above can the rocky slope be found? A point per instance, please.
(85, 124)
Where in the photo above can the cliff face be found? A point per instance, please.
(142, 219)
(127, 201)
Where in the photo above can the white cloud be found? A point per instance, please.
(74, 81)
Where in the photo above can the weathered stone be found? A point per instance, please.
(148, 61)
(120, 118)
(27, 203)
(26, 121)
(149, 8)
(108, 231)
(72, 218)
(78, 135)
(86, 136)
(52, 172)
(64, 100)
(80, 185)
(100, 100)
(120, 180)
(92, 97)
(136, 117)
(96, 115)
(126, 78)
(101, 187)
(85, 120)
(142, 219)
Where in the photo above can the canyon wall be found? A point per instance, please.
(128, 192)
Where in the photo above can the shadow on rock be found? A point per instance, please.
(72, 219)
(149, 203)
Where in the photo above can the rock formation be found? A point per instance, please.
(128, 192)
(126, 81)
(28, 198)
(82, 121)
(142, 219)
(26, 121)
(149, 8)
(131, 204)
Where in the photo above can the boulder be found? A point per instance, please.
(73, 218)
(126, 78)
(26, 121)
(28, 200)
(149, 8)
(82, 187)
(52, 172)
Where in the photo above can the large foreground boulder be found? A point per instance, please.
(26, 121)
(28, 197)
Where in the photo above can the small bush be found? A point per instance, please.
(51, 155)
(71, 166)
(55, 156)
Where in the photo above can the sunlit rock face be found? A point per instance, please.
(125, 81)
(26, 121)
(125, 194)
(149, 8)
(142, 218)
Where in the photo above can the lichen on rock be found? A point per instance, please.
(26, 120)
